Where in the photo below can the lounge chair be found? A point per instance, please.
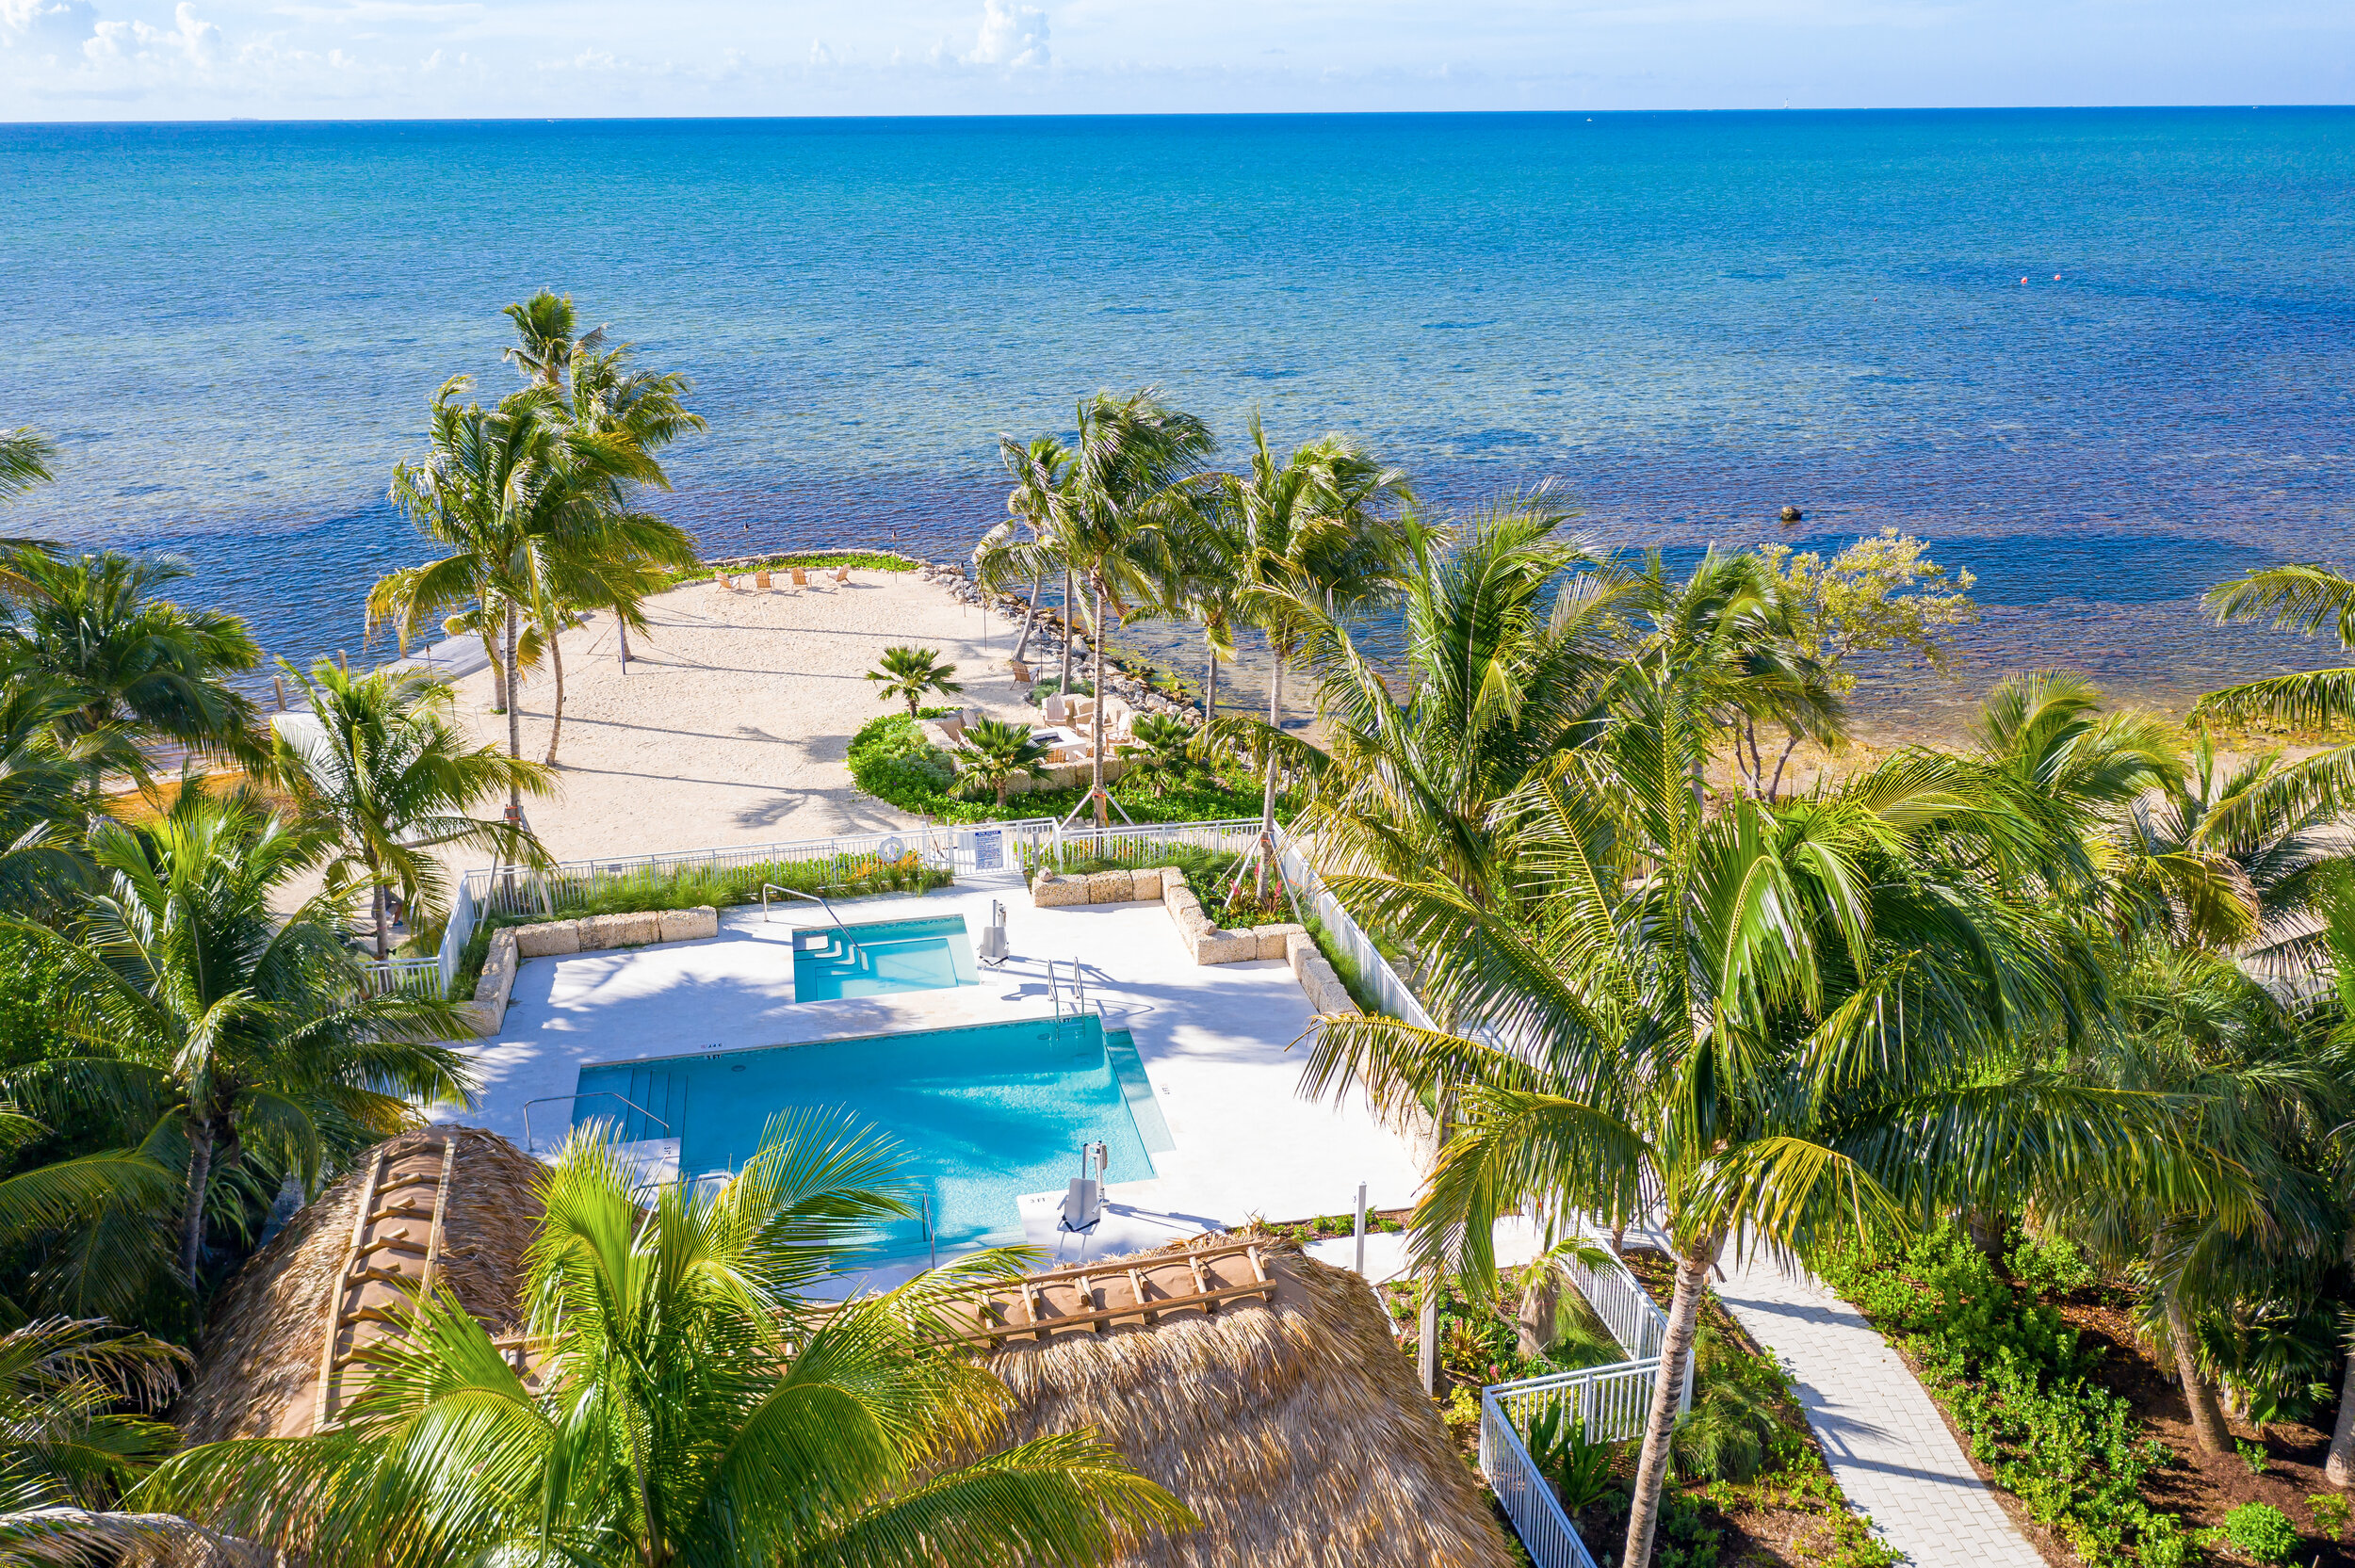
(760, 581)
(1056, 710)
(801, 578)
(842, 575)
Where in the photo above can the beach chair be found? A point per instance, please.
(801, 578)
(1056, 709)
(760, 581)
(842, 575)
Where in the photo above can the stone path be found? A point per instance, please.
(1888, 1446)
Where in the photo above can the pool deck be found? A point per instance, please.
(1218, 1041)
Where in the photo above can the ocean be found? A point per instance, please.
(2101, 357)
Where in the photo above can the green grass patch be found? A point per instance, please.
(892, 760)
(835, 878)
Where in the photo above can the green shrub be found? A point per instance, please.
(2261, 1531)
(2328, 1511)
(33, 993)
(2050, 1268)
(892, 760)
(2013, 1375)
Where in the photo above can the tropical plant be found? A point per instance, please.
(378, 764)
(26, 455)
(1579, 1471)
(1315, 537)
(1038, 470)
(1130, 488)
(1162, 747)
(995, 753)
(1788, 1020)
(523, 502)
(691, 1405)
(72, 1397)
(93, 627)
(218, 1038)
(1509, 649)
(40, 783)
(911, 674)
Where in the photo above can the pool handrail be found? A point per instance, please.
(767, 888)
(591, 1094)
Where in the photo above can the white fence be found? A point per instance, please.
(1391, 993)
(1610, 1403)
(405, 978)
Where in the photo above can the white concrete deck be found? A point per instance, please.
(1217, 1041)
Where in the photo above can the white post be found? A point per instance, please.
(1361, 1230)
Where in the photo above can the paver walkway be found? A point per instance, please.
(1888, 1446)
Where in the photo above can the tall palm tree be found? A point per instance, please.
(1510, 643)
(218, 1030)
(378, 764)
(40, 782)
(693, 1407)
(1038, 470)
(1130, 488)
(1319, 538)
(135, 663)
(517, 497)
(1788, 1020)
(547, 337)
(2304, 598)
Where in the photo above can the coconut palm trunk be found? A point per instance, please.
(199, 1179)
(1277, 651)
(1095, 618)
(1210, 685)
(1676, 1349)
(620, 628)
(514, 724)
(383, 933)
(2207, 1417)
(1070, 626)
(555, 657)
(1022, 643)
(2339, 1469)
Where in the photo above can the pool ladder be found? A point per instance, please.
(1075, 1005)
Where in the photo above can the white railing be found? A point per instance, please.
(1537, 1513)
(405, 978)
(1611, 1404)
(1391, 993)
(456, 934)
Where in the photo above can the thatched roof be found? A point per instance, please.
(1292, 1428)
(259, 1373)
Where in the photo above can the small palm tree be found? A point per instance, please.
(41, 808)
(1162, 748)
(219, 1032)
(377, 763)
(913, 674)
(996, 752)
(2303, 598)
(93, 625)
(691, 1406)
(24, 458)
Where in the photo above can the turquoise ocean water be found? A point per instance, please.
(2100, 357)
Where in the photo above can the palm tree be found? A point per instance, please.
(92, 625)
(26, 455)
(691, 1405)
(1319, 538)
(72, 1397)
(1131, 488)
(1790, 1021)
(913, 674)
(996, 753)
(1509, 649)
(521, 500)
(40, 783)
(378, 764)
(218, 1030)
(548, 336)
(1038, 471)
(2304, 598)
(1163, 748)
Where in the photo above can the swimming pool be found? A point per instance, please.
(834, 961)
(984, 1114)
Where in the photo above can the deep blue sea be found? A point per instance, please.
(2100, 358)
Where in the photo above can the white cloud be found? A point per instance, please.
(819, 55)
(189, 40)
(1012, 36)
(51, 22)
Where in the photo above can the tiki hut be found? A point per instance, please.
(1264, 1389)
(453, 1204)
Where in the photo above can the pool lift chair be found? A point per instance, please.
(992, 951)
(1083, 1201)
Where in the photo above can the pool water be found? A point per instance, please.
(984, 1114)
(834, 961)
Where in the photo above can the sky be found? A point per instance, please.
(181, 59)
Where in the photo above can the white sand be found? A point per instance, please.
(733, 720)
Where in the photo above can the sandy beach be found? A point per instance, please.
(733, 720)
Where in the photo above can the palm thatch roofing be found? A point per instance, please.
(260, 1371)
(1285, 1418)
